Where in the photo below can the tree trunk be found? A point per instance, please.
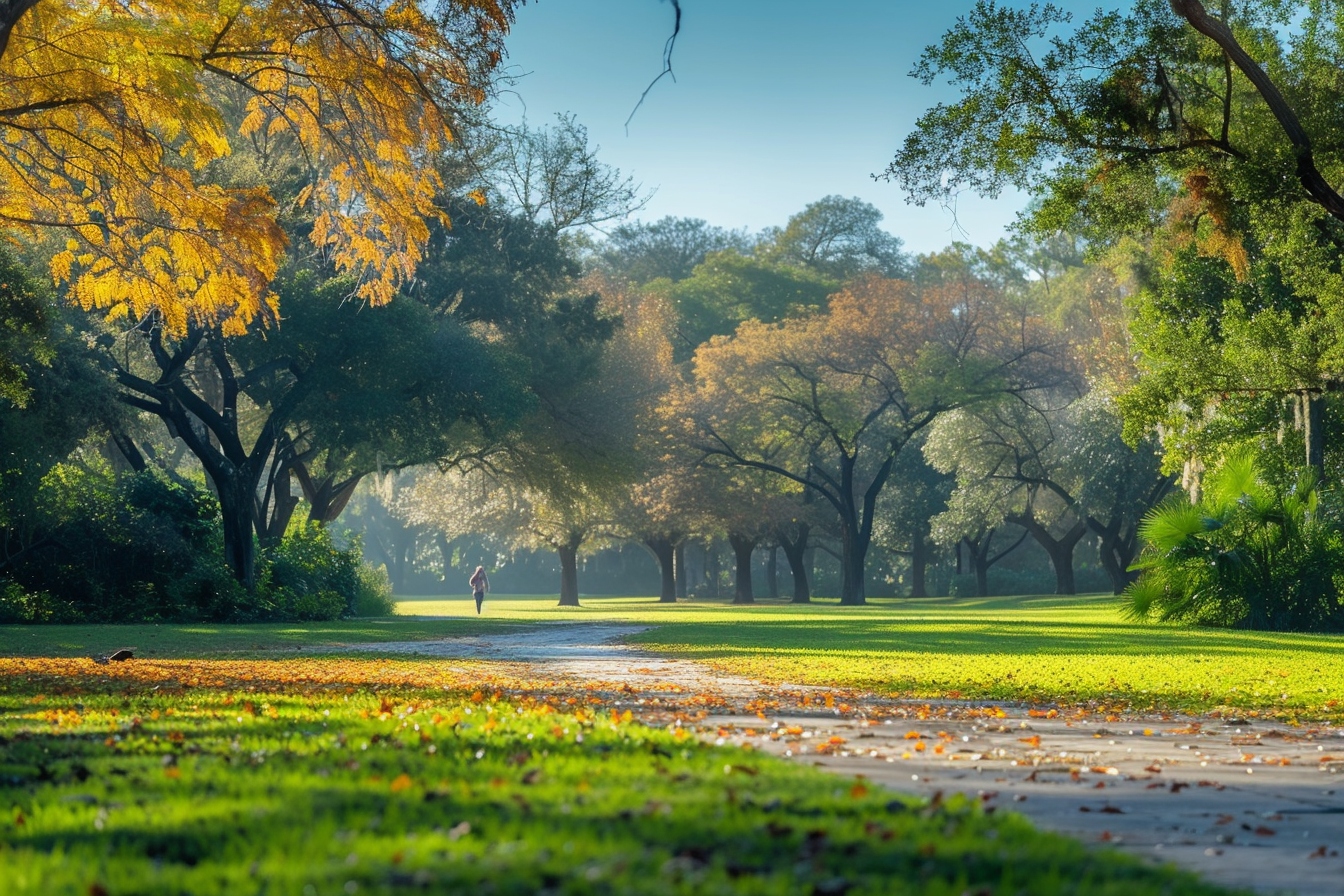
(919, 565)
(799, 568)
(1060, 550)
(1116, 549)
(665, 554)
(772, 573)
(236, 507)
(712, 568)
(979, 562)
(569, 574)
(853, 557)
(283, 504)
(680, 570)
(742, 550)
(796, 554)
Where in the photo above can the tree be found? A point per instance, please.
(1008, 468)
(350, 378)
(554, 178)
(906, 514)
(1157, 124)
(112, 117)
(52, 396)
(667, 249)
(828, 401)
(1058, 469)
(729, 288)
(840, 239)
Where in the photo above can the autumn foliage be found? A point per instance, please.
(113, 115)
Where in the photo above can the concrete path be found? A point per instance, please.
(1241, 802)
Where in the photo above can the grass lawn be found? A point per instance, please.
(255, 759)
(1040, 649)
(210, 640)
(289, 774)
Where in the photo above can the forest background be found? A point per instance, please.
(199, 421)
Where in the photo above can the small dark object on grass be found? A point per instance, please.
(116, 657)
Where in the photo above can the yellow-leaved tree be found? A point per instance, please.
(111, 113)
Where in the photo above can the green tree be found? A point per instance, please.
(52, 396)
(840, 239)
(1207, 139)
(729, 288)
(666, 249)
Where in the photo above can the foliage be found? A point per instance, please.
(1248, 554)
(667, 249)
(840, 239)
(25, 325)
(52, 394)
(307, 577)
(145, 547)
(728, 288)
(828, 400)
(113, 116)
(1207, 144)
(390, 775)
(373, 593)
(490, 338)
(117, 549)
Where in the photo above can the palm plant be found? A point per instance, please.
(1248, 554)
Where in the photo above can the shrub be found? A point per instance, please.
(148, 548)
(1249, 555)
(141, 548)
(17, 605)
(307, 576)
(373, 597)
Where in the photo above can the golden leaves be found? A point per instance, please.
(110, 117)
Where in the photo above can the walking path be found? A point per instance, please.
(1242, 802)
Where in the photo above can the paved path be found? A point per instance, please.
(1244, 803)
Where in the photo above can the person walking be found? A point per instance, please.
(479, 585)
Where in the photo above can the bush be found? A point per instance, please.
(373, 597)
(1249, 555)
(140, 548)
(17, 605)
(147, 548)
(308, 577)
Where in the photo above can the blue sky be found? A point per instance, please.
(776, 104)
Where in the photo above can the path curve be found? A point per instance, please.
(1244, 803)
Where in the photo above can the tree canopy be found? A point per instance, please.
(113, 115)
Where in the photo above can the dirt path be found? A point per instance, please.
(1244, 803)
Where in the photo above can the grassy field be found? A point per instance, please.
(1039, 649)
(258, 759)
(209, 640)
(310, 775)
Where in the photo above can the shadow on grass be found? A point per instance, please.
(517, 809)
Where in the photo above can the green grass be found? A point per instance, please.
(115, 786)
(1039, 649)
(209, 640)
